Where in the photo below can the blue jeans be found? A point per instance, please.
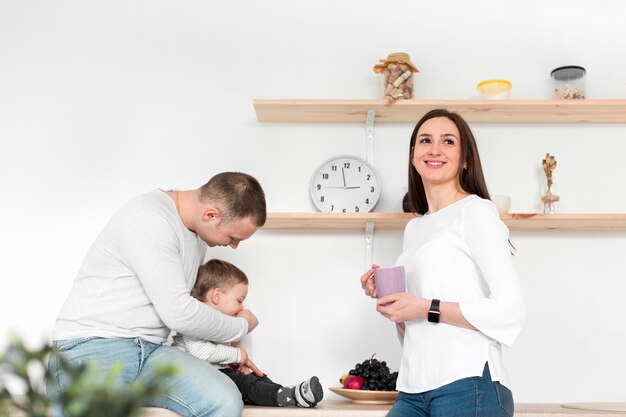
(467, 397)
(198, 389)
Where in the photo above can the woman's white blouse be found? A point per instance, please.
(460, 254)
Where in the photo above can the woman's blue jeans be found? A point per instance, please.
(198, 389)
(467, 397)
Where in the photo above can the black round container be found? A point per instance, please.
(569, 82)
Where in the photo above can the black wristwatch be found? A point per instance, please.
(434, 313)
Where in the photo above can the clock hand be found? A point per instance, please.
(343, 174)
(351, 188)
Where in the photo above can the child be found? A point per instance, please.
(224, 287)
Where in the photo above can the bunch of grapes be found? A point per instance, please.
(376, 375)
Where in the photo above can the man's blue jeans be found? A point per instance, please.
(467, 397)
(198, 389)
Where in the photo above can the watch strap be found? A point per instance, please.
(434, 313)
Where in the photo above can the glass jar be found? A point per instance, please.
(398, 81)
(569, 82)
(397, 70)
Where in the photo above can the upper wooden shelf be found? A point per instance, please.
(388, 221)
(474, 111)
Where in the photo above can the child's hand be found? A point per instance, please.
(242, 353)
(246, 365)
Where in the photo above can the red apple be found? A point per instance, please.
(353, 382)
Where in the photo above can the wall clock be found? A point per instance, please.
(345, 184)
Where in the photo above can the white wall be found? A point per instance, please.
(103, 100)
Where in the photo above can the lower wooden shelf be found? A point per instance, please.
(392, 221)
(523, 221)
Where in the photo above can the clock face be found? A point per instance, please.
(345, 184)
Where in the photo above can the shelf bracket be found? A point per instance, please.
(369, 244)
(369, 136)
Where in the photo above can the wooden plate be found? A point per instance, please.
(366, 397)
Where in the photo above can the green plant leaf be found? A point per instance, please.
(87, 394)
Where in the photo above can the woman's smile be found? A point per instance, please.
(437, 151)
(435, 164)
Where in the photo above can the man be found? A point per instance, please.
(134, 286)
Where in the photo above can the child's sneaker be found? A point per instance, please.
(308, 393)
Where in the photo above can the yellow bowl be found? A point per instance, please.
(494, 89)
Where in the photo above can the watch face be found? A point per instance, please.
(345, 184)
(433, 316)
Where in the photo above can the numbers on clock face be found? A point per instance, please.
(345, 185)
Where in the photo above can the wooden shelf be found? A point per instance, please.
(474, 111)
(336, 221)
(396, 221)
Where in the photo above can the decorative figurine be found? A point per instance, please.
(549, 199)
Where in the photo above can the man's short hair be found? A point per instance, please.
(238, 195)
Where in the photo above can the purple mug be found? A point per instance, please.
(389, 280)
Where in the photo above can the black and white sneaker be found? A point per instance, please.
(308, 393)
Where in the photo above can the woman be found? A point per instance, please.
(463, 300)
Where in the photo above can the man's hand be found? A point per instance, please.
(252, 320)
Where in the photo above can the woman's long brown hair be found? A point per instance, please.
(470, 173)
